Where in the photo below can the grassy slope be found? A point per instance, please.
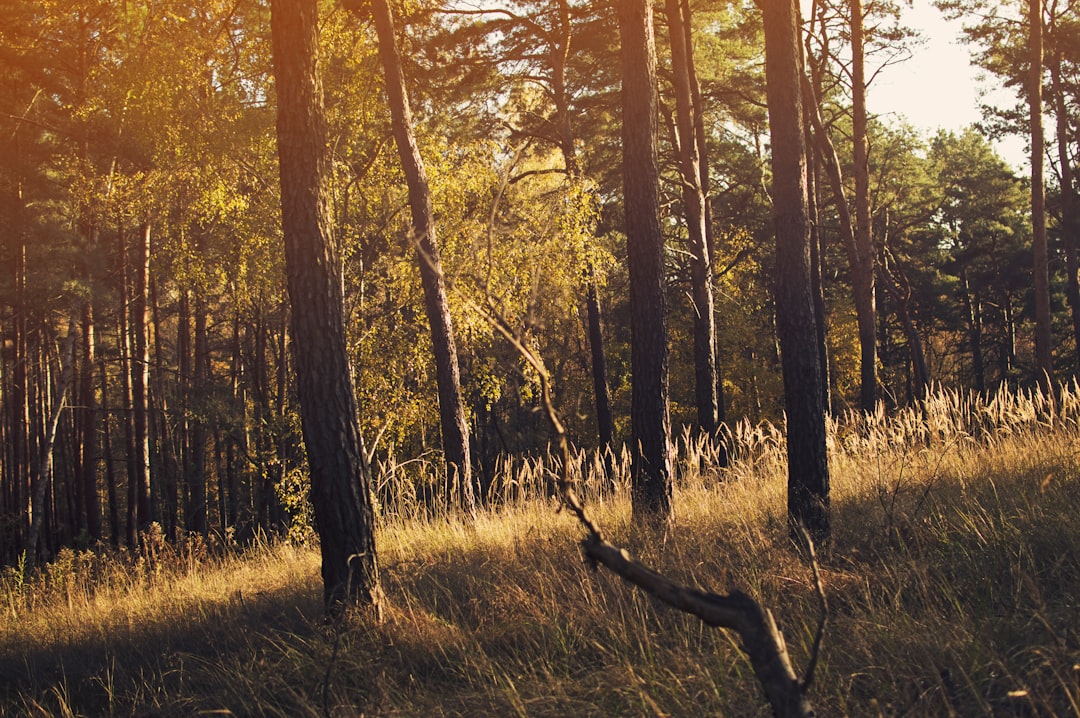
(954, 582)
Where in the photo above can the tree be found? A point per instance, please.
(455, 431)
(340, 480)
(1044, 365)
(808, 469)
(696, 212)
(862, 268)
(649, 417)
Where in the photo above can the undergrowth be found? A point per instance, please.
(953, 579)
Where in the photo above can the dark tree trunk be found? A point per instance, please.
(896, 283)
(605, 422)
(808, 469)
(649, 417)
(601, 394)
(973, 312)
(340, 480)
(817, 284)
(1044, 365)
(862, 271)
(110, 465)
(41, 473)
(1009, 349)
(126, 371)
(694, 206)
(184, 376)
(232, 510)
(455, 430)
(704, 182)
(1070, 222)
(195, 515)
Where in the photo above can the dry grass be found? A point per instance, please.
(954, 581)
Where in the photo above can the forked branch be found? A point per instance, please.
(761, 640)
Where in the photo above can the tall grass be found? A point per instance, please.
(953, 577)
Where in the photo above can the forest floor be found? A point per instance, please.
(953, 583)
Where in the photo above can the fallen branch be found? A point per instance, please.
(761, 640)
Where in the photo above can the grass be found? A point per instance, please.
(953, 581)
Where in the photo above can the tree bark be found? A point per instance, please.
(455, 430)
(694, 207)
(41, 473)
(1044, 365)
(862, 272)
(605, 422)
(195, 515)
(808, 471)
(973, 314)
(89, 426)
(340, 479)
(140, 380)
(1070, 222)
(898, 287)
(649, 417)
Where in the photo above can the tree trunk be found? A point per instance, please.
(605, 422)
(1070, 222)
(808, 470)
(694, 206)
(126, 371)
(184, 375)
(89, 426)
(817, 283)
(110, 466)
(862, 272)
(195, 516)
(973, 312)
(649, 417)
(455, 430)
(140, 380)
(1044, 365)
(340, 479)
(42, 466)
(166, 465)
(898, 287)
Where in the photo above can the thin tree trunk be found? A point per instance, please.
(605, 422)
(110, 466)
(694, 206)
(896, 283)
(89, 427)
(973, 312)
(704, 182)
(649, 414)
(127, 402)
(340, 479)
(42, 469)
(196, 508)
(184, 375)
(808, 470)
(1044, 365)
(862, 271)
(455, 430)
(1070, 221)
(166, 465)
(140, 380)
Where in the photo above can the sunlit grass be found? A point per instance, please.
(953, 580)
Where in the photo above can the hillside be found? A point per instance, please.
(953, 583)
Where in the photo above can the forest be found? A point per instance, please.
(309, 276)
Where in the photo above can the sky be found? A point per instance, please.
(938, 86)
